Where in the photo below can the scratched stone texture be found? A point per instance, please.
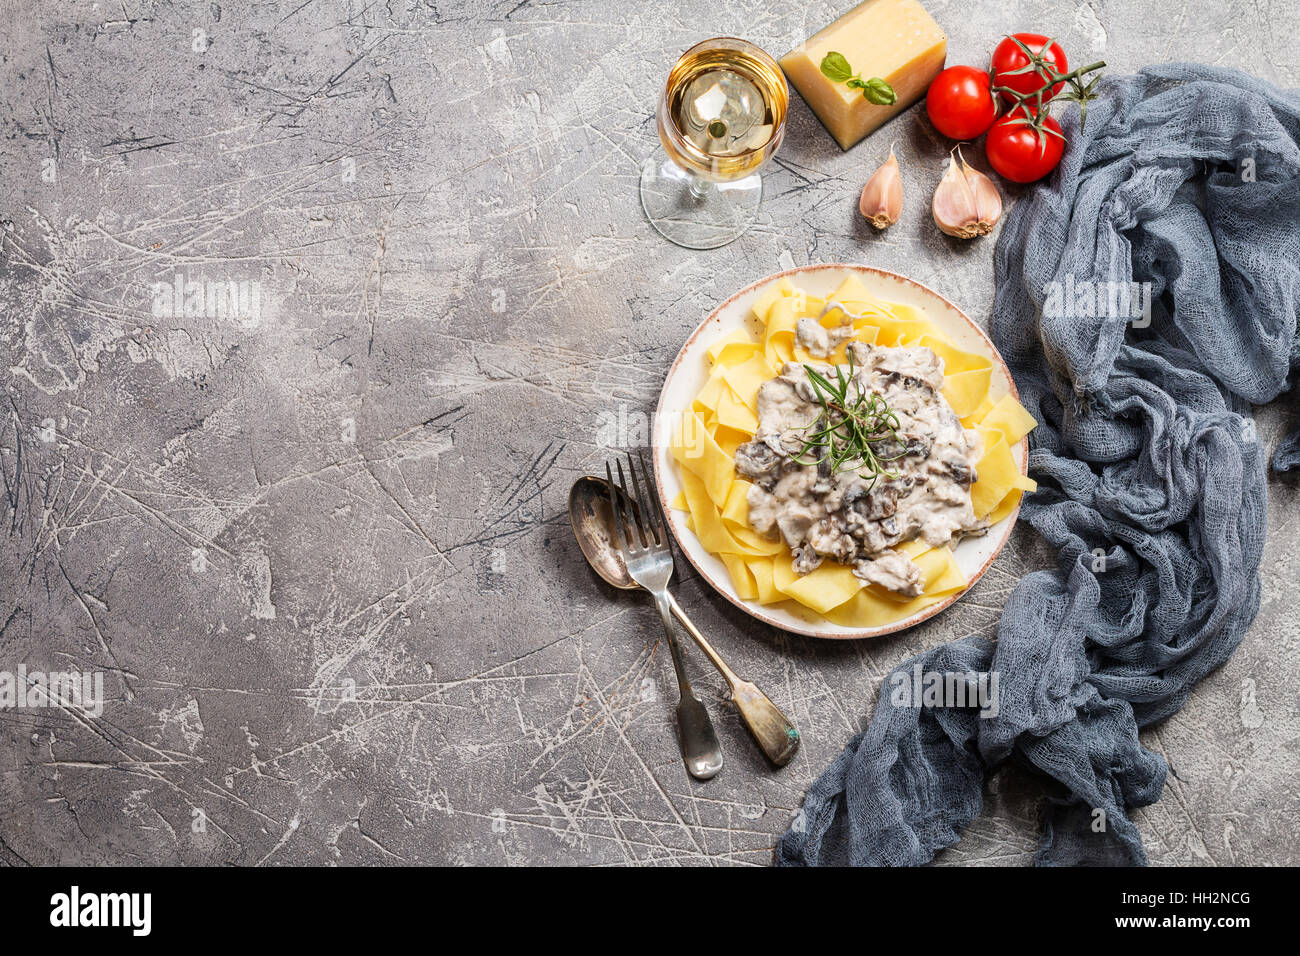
(323, 558)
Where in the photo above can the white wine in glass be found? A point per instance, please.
(721, 117)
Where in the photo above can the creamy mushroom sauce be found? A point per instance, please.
(843, 516)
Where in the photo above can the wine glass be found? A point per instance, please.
(720, 118)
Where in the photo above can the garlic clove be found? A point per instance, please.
(953, 205)
(988, 201)
(882, 196)
(966, 203)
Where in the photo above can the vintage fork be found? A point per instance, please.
(643, 542)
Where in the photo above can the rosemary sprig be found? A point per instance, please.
(851, 422)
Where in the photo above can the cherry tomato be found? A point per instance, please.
(960, 103)
(1007, 57)
(1016, 151)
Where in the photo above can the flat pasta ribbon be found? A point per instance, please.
(724, 415)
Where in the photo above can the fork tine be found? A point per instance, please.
(614, 511)
(635, 536)
(658, 509)
(644, 517)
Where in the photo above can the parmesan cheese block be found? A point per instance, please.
(895, 40)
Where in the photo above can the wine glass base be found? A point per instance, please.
(695, 213)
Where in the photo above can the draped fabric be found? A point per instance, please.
(1148, 295)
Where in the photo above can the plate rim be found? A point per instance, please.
(757, 611)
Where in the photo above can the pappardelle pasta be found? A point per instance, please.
(724, 416)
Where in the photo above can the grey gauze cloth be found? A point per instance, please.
(1188, 178)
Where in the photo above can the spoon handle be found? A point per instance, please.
(772, 729)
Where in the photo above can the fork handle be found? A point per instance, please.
(773, 730)
(665, 603)
(695, 734)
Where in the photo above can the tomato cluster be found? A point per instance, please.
(963, 103)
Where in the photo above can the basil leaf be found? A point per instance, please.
(879, 92)
(835, 67)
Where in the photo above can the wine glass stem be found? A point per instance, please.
(700, 188)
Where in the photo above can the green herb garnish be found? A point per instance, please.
(836, 68)
(851, 422)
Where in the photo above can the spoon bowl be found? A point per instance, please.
(591, 519)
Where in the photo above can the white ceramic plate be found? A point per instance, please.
(687, 377)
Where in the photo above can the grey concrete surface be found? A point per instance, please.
(321, 557)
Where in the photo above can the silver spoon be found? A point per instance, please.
(589, 514)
